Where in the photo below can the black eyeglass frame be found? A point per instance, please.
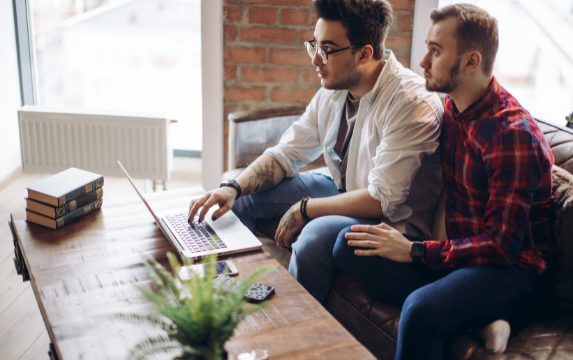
(325, 52)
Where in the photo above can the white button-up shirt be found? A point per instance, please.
(394, 148)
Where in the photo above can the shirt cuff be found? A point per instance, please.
(434, 254)
(276, 153)
(394, 213)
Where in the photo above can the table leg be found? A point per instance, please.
(19, 262)
(52, 353)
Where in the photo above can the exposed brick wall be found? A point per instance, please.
(265, 63)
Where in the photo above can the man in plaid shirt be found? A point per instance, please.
(497, 178)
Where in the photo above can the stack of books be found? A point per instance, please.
(64, 198)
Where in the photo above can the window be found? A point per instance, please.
(136, 56)
(535, 57)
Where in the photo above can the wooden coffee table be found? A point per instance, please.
(88, 268)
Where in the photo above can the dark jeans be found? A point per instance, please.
(437, 303)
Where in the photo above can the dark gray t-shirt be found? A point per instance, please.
(345, 134)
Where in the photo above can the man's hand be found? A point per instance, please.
(224, 197)
(291, 224)
(382, 240)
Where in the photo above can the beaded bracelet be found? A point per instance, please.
(303, 208)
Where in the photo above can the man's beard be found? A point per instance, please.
(352, 78)
(450, 83)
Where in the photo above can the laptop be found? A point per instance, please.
(194, 240)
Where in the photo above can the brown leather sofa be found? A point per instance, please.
(546, 331)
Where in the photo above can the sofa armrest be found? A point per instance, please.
(254, 115)
(251, 132)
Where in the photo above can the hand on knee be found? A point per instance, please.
(342, 252)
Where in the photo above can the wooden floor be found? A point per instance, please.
(22, 331)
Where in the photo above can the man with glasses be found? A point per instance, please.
(376, 126)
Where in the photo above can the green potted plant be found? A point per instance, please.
(197, 318)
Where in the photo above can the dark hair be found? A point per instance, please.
(476, 30)
(366, 21)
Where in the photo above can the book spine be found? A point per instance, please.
(79, 192)
(74, 215)
(79, 202)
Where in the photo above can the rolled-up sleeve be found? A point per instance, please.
(300, 144)
(410, 131)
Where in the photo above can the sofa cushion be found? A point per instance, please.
(560, 139)
(563, 232)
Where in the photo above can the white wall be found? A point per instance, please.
(422, 24)
(212, 74)
(9, 93)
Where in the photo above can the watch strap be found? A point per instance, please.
(418, 252)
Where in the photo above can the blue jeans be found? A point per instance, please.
(437, 303)
(311, 262)
(274, 202)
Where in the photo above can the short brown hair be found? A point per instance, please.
(366, 21)
(477, 30)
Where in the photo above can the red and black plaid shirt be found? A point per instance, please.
(497, 177)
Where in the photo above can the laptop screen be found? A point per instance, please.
(138, 193)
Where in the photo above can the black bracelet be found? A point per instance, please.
(303, 209)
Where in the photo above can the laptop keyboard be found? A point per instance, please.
(197, 237)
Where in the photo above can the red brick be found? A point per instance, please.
(244, 55)
(270, 36)
(258, 74)
(272, 2)
(262, 15)
(289, 57)
(302, 96)
(294, 17)
(229, 33)
(311, 77)
(402, 4)
(306, 35)
(233, 14)
(230, 1)
(244, 94)
(398, 42)
(230, 73)
(405, 22)
(306, 2)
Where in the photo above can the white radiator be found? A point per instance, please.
(53, 140)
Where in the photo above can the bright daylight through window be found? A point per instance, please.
(122, 55)
(535, 58)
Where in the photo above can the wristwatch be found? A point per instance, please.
(232, 183)
(418, 252)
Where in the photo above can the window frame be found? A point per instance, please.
(24, 51)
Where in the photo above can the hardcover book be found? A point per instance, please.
(64, 220)
(57, 212)
(64, 187)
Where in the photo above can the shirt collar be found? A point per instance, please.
(388, 69)
(481, 107)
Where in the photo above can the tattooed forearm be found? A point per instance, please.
(263, 179)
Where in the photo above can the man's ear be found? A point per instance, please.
(366, 53)
(471, 61)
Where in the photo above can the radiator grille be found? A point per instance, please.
(53, 141)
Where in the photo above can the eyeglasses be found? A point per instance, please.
(312, 49)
